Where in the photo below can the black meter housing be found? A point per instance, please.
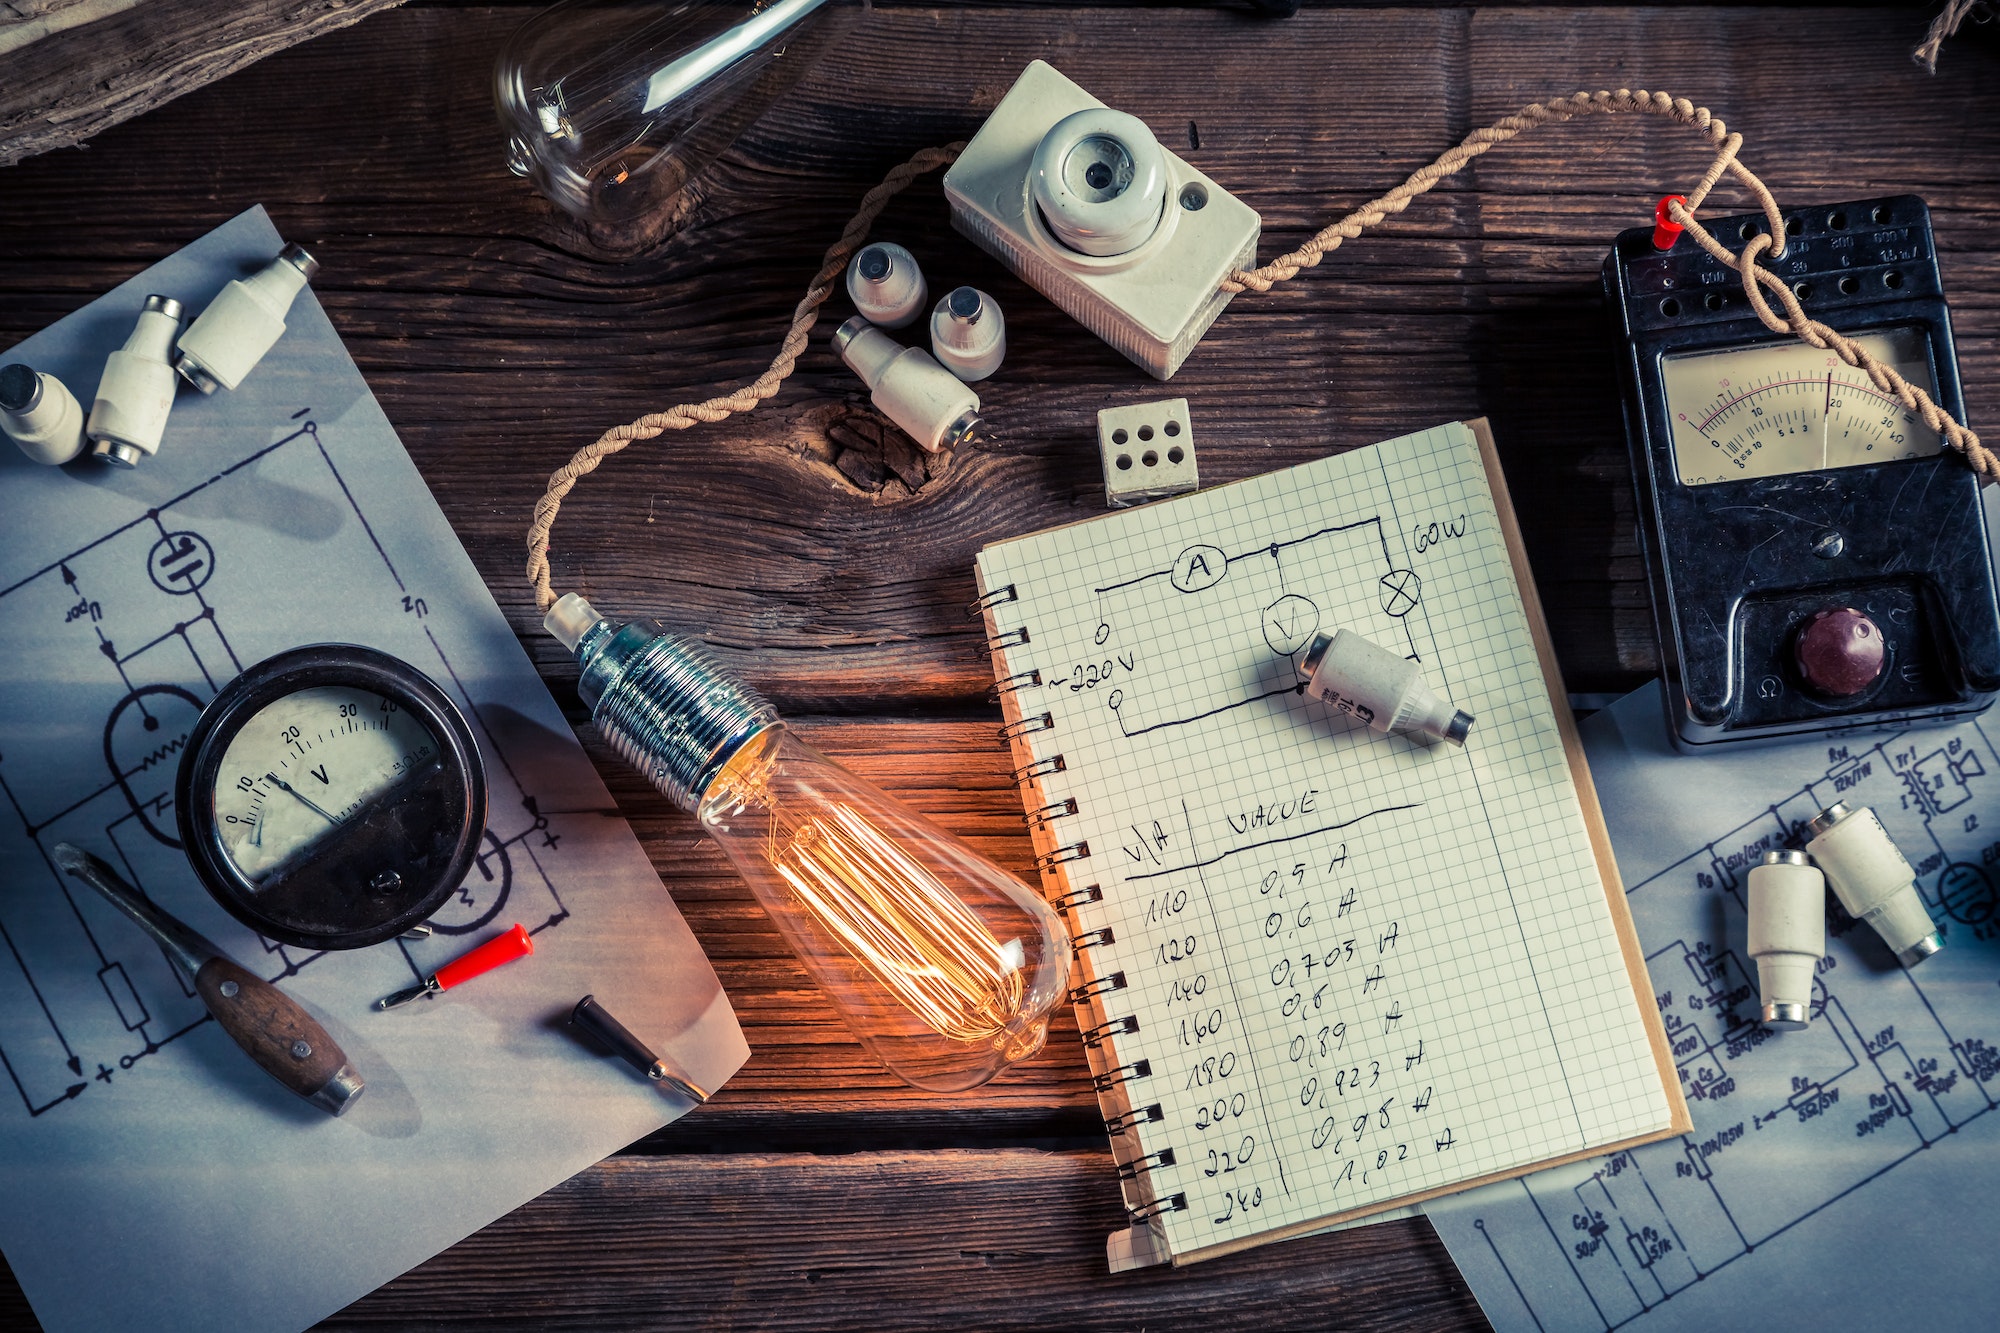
(388, 861)
(1742, 560)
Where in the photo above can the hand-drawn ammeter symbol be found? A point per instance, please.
(1400, 590)
(180, 562)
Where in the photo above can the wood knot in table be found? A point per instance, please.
(871, 455)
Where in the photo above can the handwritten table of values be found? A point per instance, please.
(1322, 971)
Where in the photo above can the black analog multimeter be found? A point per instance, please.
(1818, 559)
(331, 797)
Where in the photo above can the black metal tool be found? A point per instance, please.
(591, 1017)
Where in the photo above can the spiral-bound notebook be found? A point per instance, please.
(1321, 973)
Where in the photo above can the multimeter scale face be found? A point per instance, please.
(1783, 408)
(1818, 560)
(331, 797)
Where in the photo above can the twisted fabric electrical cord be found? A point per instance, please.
(1679, 110)
(585, 460)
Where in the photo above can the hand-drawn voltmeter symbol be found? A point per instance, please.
(1289, 623)
(1400, 590)
(180, 562)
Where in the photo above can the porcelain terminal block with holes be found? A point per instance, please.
(1148, 452)
(1086, 207)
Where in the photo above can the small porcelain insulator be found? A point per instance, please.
(40, 414)
(243, 322)
(1787, 935)
(908, 386)
(968, 334)
(1378, 687)
(1873, 881)
(136, 391)
(886, 285)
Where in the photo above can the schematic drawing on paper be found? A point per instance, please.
(149, 620)
(1286, 617)
(1788, 1126)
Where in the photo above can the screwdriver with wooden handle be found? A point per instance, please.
(268, 1024)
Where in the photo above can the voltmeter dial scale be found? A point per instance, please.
(1818, 561)
(331, 797)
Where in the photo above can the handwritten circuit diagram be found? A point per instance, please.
(147, 621)
(1799, 1132)
(1290, 610)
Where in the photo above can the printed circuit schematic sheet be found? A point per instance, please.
(150, 1175)
(1834, 1173)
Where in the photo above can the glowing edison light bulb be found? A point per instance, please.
(944, 965)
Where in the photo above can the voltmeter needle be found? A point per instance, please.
(1826, 422)
(305, 800)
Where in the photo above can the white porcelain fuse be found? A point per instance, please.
(244, 321)
(1787, 935)
(1376, 686)
(908, 386)
(137, 389)
(886, 285)
(40, 414)
(1873, 881)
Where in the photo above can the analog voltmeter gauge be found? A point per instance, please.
(331, 797)
(1783, 407)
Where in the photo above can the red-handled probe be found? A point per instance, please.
(496, 952)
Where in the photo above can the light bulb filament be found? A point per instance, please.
(902, 923)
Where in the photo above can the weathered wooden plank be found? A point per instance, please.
(63, 81)
(885, 1242)
(485, 327)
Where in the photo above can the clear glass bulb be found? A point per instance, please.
(944, 965)
(612, 106)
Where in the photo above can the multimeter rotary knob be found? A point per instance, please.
(1840, 652)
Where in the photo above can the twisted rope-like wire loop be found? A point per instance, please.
(1755, 278)
(745, 397)
(1677, 109)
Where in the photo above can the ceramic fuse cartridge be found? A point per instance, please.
(1873, 881)
(136, 391)
(886, 285)
(243, 322)
(40, 414)
(1787, 935)
(1378, 687)
(908, 386)
(968, 334)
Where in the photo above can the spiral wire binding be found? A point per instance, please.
(1042, 810)
(1138, 1115)
(1008, 638)
(1125, 1024)
(1075, 851)
(1076, 898)
(1053, 810)
(1027, 726)
(997, 597)
(1041, 768)
(1100, 986)
(1020, 680)
(1139, 1166)
(1111, 1078)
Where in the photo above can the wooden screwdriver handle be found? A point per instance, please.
(278, 1034)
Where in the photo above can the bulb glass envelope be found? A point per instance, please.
(611, 107)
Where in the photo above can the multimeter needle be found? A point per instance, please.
(303, 799)
(496, 952)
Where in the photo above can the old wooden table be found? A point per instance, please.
(815, 1192)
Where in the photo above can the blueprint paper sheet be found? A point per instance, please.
(151, 1176)
(1835, 1176)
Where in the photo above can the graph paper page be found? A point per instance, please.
(1356, 967)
